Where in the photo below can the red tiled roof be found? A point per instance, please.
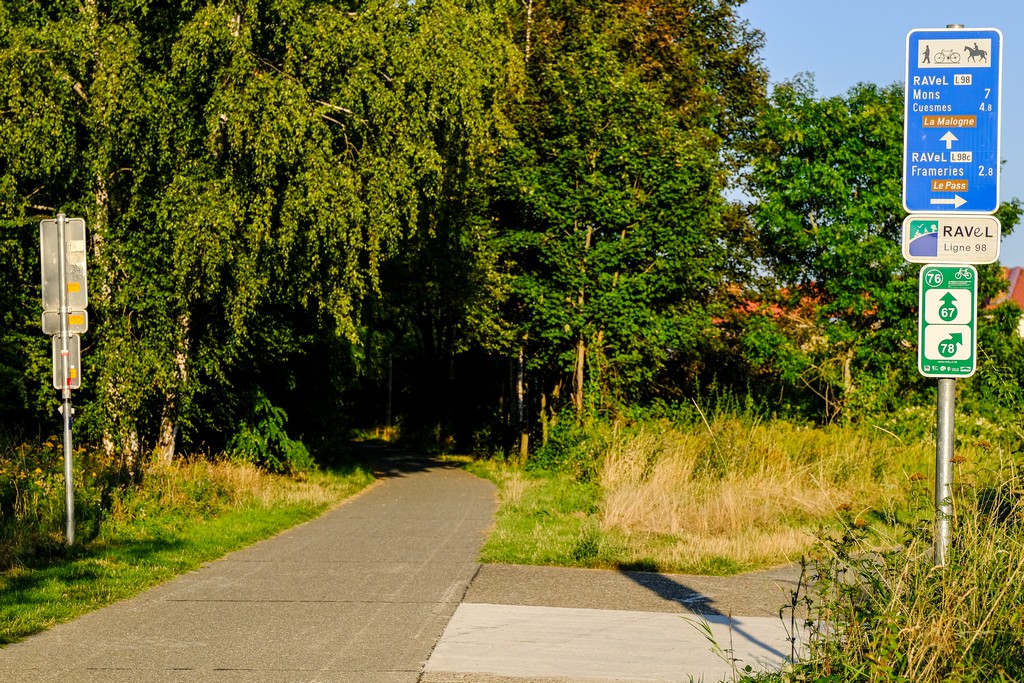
(1015, 288)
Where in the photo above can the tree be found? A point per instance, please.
(40, 129)
(440, 292)
(826, 186)
(246, 170)
(609, 206)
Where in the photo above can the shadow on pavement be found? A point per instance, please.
(695, 601)
(667, 589)
(386, 460)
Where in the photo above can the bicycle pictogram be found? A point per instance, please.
(964, 274)
(949, 55)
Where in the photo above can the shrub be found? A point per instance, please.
(263, 441)
(574, 447)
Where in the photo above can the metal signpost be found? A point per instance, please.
(65, 298)
(950, 188)
(946, 349)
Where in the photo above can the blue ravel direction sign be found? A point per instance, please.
(951, 120)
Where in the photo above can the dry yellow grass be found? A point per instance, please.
(514, 483)
(233, 483)
(750, 492)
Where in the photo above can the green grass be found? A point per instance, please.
(177, 520)
(543, 521)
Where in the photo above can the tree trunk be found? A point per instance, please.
(556, 394)
(579, 374)
(543, 418)
(529, 31)
(120, 439)
(524, 434)
(391, 382)
(549, 410)
(167, 440)
(848, 371)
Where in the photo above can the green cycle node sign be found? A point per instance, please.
(947, 322)
(951, 238)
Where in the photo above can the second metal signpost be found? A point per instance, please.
(950, 189)
(62, 252)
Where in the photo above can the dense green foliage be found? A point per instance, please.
(837, 322)
(478, 220)
(609, 207)
(244, 168)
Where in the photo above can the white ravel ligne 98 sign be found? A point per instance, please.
(951, 238)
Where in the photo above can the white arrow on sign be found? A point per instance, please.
(957, 201)
(949, 139)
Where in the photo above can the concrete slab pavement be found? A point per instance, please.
(604, 645)
(521, 624)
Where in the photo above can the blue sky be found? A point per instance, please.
(846, 42)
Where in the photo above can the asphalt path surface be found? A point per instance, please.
(386, 588)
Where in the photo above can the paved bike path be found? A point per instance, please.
(386, 588)
(359, 595)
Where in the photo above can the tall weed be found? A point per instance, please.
(262, 440)
(109, 500)
(895, 616)
(32, 498)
